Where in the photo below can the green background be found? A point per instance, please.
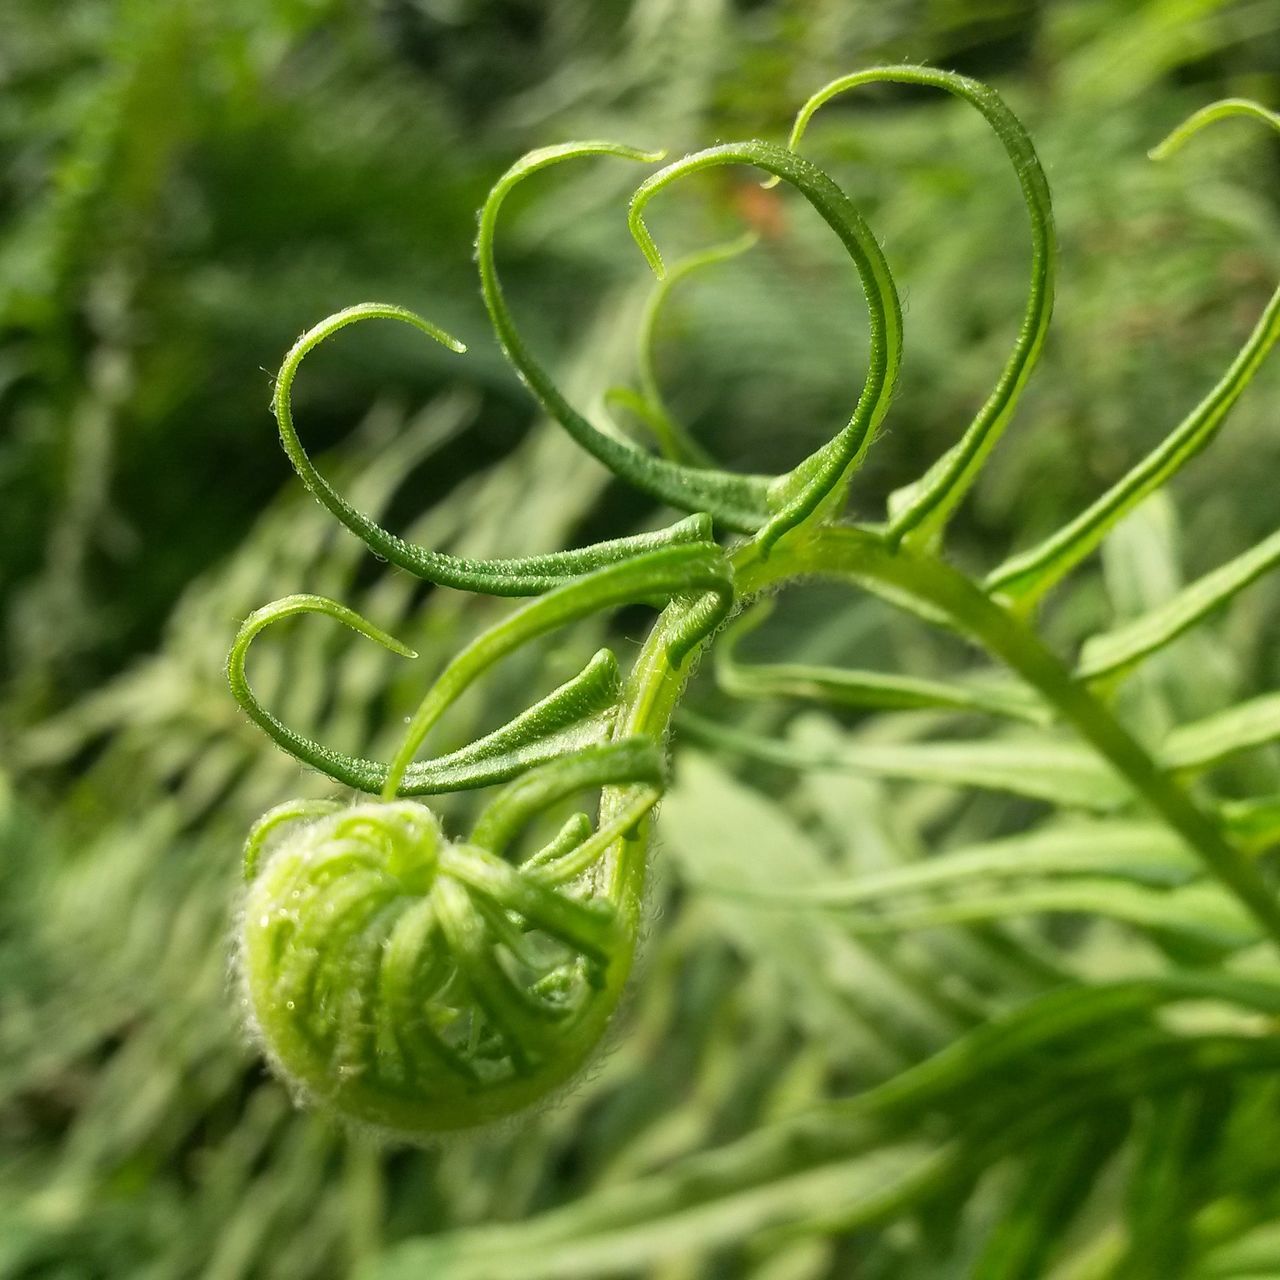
(186, 187)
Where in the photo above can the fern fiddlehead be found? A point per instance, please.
(417, 983)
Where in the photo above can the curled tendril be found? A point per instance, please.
(523, 576)
(737, 502)
(1025, 577)
(577, 711)
(923, 507)
(821, 479)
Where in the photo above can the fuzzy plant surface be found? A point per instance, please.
(414, 981)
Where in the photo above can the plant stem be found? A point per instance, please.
(864, 555)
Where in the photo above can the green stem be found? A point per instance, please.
(862, 554)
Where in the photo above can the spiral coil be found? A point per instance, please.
(414, 984)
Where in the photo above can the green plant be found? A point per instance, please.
(417, 984)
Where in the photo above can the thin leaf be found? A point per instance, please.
(1113, 652)
(1028, 575)
(1132, 851)
(1040, 768)
(1055, 1183)
(1202, 913)
(1210, 741)
(1254, 823)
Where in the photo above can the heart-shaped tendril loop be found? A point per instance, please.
(522, 576)
(820, 481)
(920, 511)
(738, 502)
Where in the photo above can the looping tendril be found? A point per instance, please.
(577, 712)
(736, 501)
(820, 480)
(922, 508)
(1025, 577)
(524, 576)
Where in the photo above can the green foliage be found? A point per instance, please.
(947, 964)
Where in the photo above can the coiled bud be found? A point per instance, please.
(417, 985)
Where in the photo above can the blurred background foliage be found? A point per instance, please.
(184, 188)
